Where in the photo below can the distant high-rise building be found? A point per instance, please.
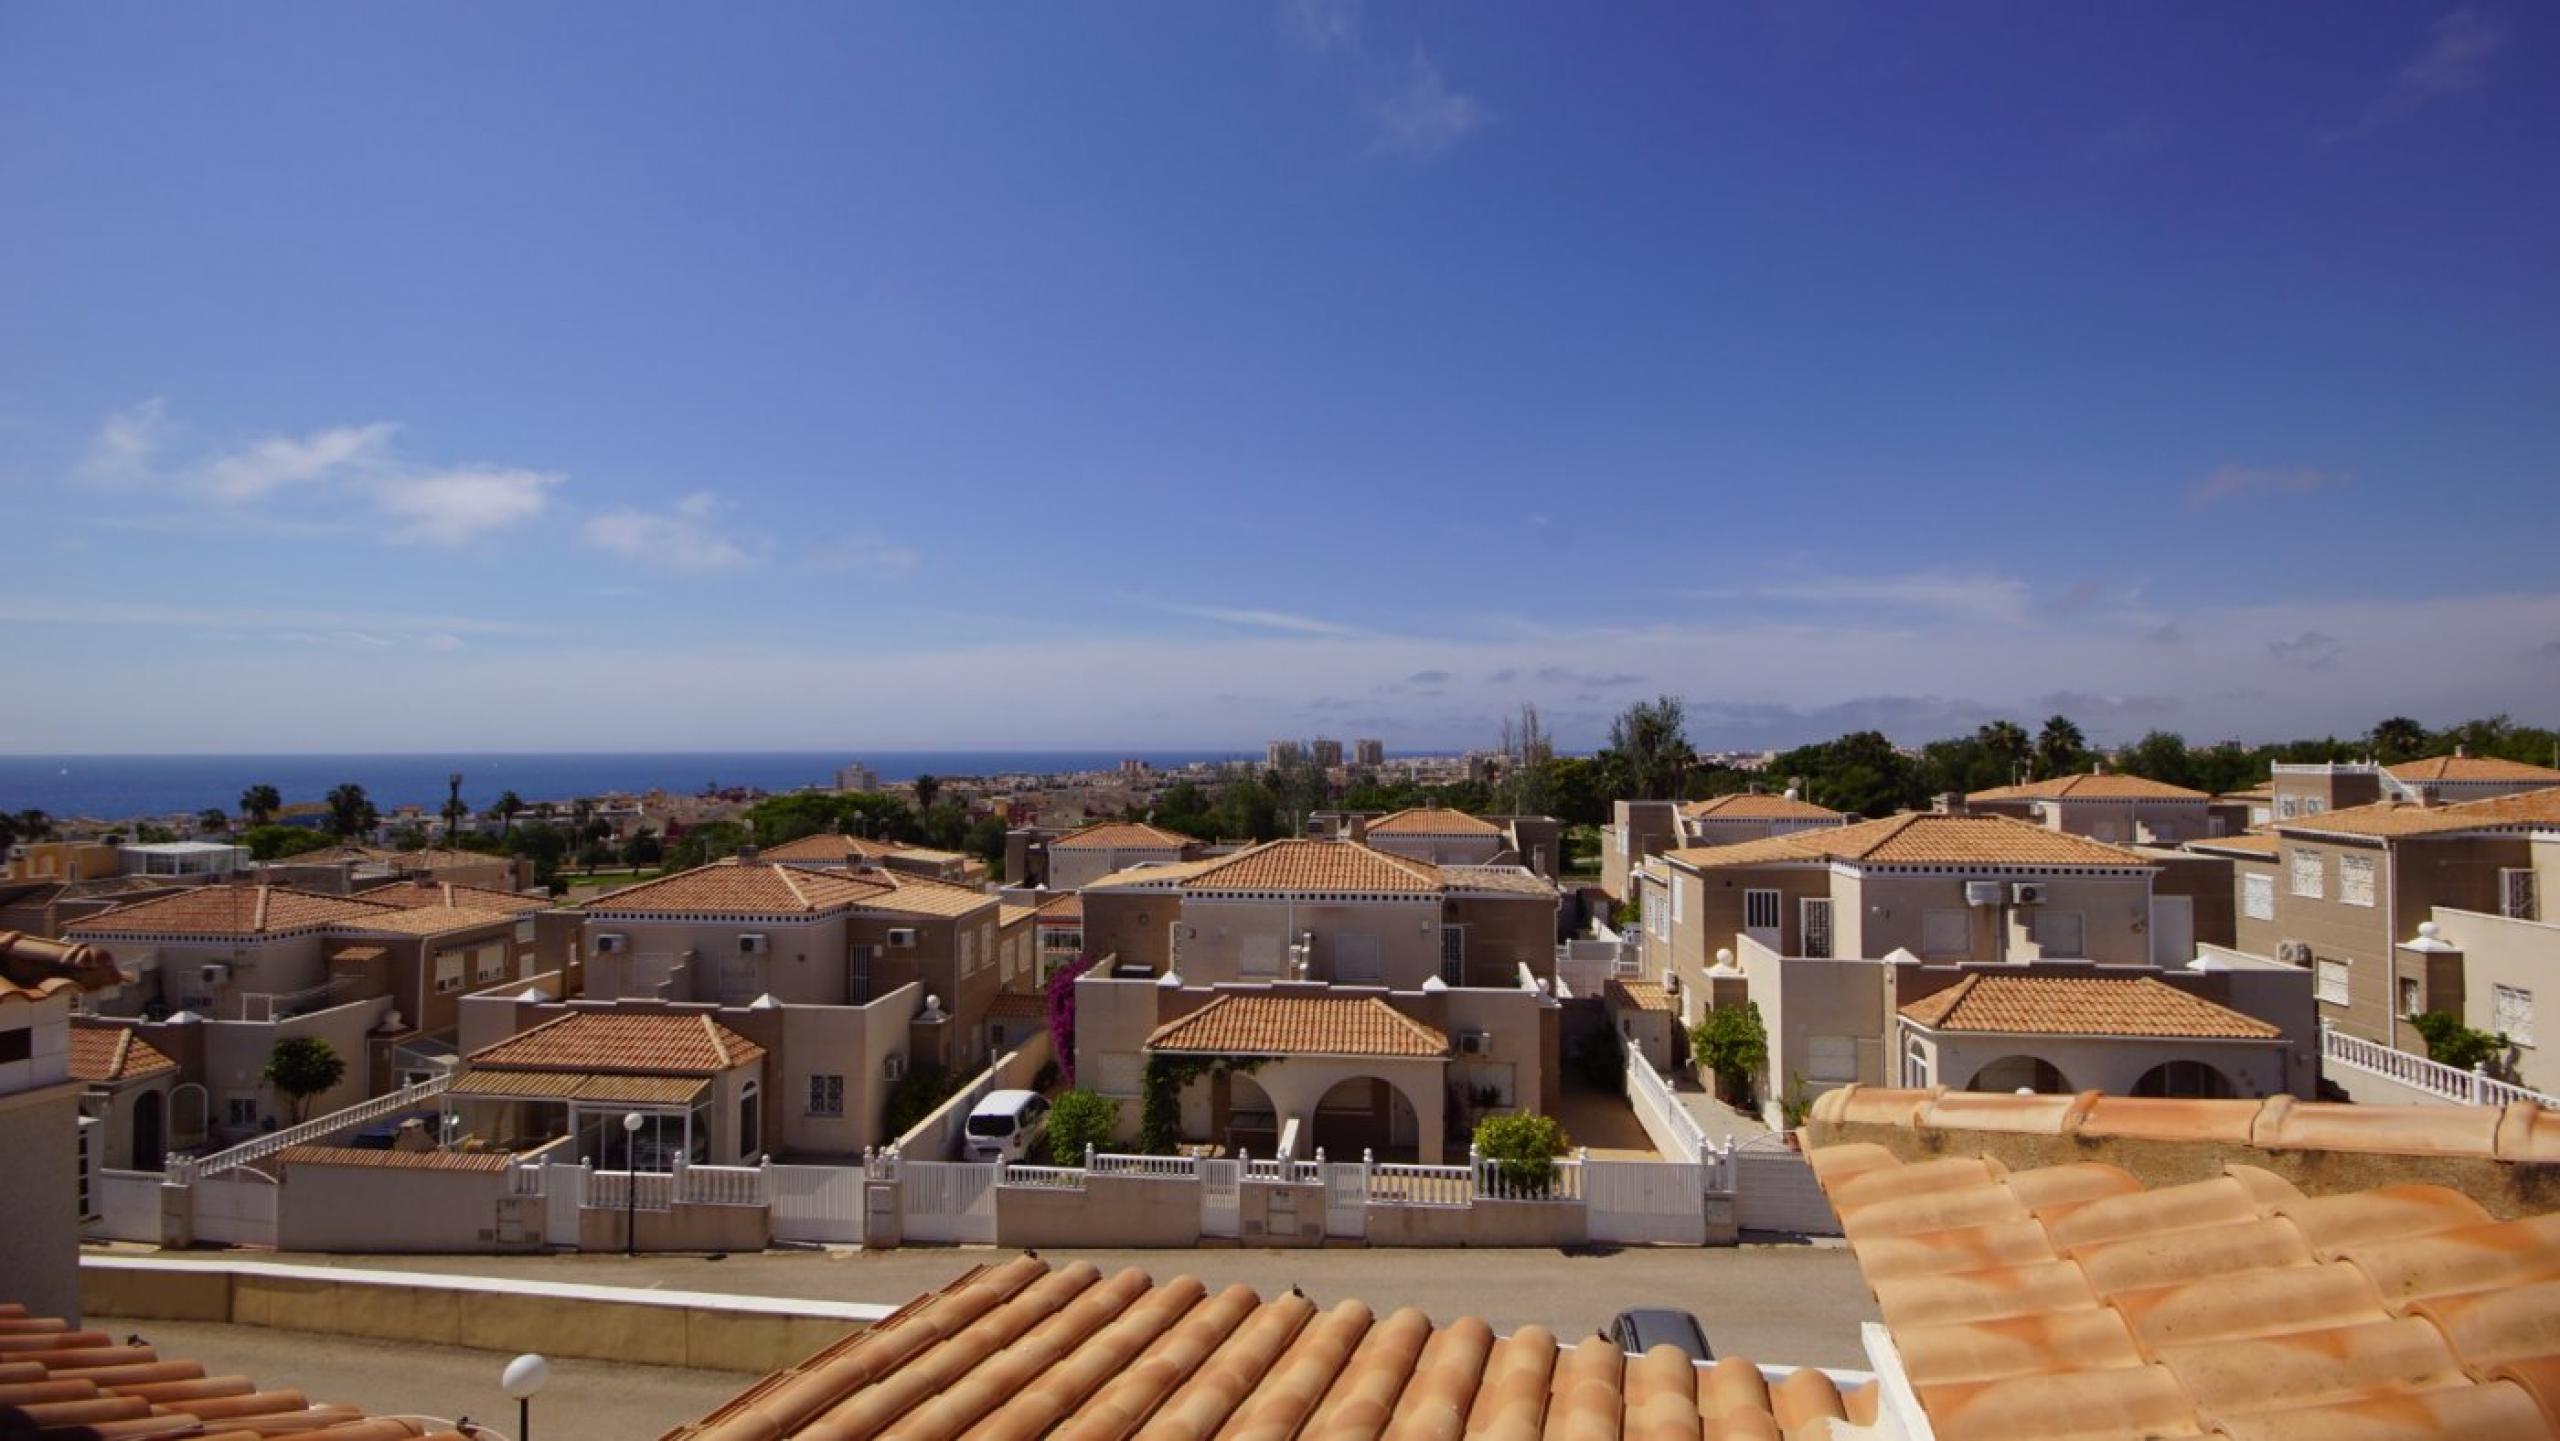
(1133, 770)
(1280, 755)
(1368, 753)
(1328, 752)
(856, 776)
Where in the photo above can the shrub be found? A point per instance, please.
(2451, 1043)
(303, 1067)
(1732, 1043)
(914, 1097)
(1078, 1120)
(1523, 1147)
(1061, 996)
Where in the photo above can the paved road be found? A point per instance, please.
(585, 1400)
(1796, 1305)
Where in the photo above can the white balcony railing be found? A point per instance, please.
(2434, 1078)
(185, 1170)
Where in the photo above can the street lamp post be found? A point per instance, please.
(630, 1183)
(522, 1378)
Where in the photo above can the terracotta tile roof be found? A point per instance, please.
(1920, 838)
(1431, 821)
(1159, 875)
(444, 893)
(741, 888)
(1239, 1023)
(33, 968)
(484, 1161)
(1642, 995)
(594, 1043)
(1020, 1349)
(91, 1386)
(2092, 786)
(1319, 866)
(2461, 768)
(1121, 836)
(422, 921)
(227, 911)
(2392, 819)
(103, 1055)
(2071, 1300)
(1757, 806)
(2522, 1132)
(1017, 1006)
(1066, 907)
(921, 895)
(1009, 915)
(2082, 1006)
(579, 1086)
(1516, 880)
(2253, 793)
(828, 847)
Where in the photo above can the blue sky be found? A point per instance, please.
(611, 376)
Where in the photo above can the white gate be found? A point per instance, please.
(236, 1208)
(1657, 1202)
(816, 1203)
(1346, 1199)
(564, 1192)
(953, 1201)
(1221, 1198)
(1774, 1190)
(127, 1206)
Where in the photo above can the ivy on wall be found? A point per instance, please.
(1160, 1095)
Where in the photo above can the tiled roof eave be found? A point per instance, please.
(1312, 895)
(1269, 1055)
(2065, 868)
(1941, 1027)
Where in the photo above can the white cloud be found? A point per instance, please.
(1426, 117)
(1279, 620)
(2235, 482)
(1321, 25)
(683, 538)
(455, 507)
(272, 464)
(869, 552)
(1966, 596)
(127, 443)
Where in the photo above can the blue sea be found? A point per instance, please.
(115, 787)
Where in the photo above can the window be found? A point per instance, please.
(2355, 880)
(2310, 874)
(448, 966)
(2313, 805)
(1654, 924)
(17, 1045)
(1815, 927)
(826, 1095)
(2330, 983)
(968, 951)
(1946, 932)
(1760, 911)
(751, 1121)
(489, 963)
(1453, 955)
(2412, 999)
(2511, 1013)
(1915, 1063)
(2258, 895)
(1679, 902)
(240, 1111)
(524, 930)
(2515, 895)
(2287, 808)
(2057, 933)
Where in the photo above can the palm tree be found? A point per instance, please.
(350, 811)
(509, 803)
(259, 804)
(927, 787)
(455, 812)
(2060, 747)
(213, 821)
(2397, 739)
(2005, 741)
(34, 825)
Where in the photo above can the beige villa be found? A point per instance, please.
(696, 1085)
(1641, 829)
(2119, 809)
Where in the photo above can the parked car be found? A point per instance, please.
(1004, 1125)
(1639, 1331)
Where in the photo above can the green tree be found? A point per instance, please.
(275, 843)
(1861, 773)
(1079, 1119)
(303, 1067)
(259, 804)
(2161, 756)
(350, 813)
(2451, 1043)
(1733, 1046)
(2396, 739)
(986, 841)
(455, 811)
(926, 788)
(33, 825)
(1648, 751)
(2060, 748)
(409, 838)
(2006, 743)
(643, 848)
(509, 806)
(1523, 1147)
(152, 834)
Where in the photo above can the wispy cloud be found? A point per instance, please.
(2234, 482)
(1322, 25)
(266, 466)
(1425, 117)
(1982, 598)
(2456, 59)
(51, 611)
(1272, 620)
(685, 538)
(455, 507)
(2311, 650)
(127, 443)
(869, 552)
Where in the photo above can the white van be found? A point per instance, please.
(1004, 1125)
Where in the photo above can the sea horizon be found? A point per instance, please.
(116, 786)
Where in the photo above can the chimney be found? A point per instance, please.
(1947, 803)
(1758, 789)
(2462, 753)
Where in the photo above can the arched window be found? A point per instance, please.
(2184, 1080)
(750, 1123)
(2021, 1073)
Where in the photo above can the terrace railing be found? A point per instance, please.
(2474, 1087)
(185, 1170)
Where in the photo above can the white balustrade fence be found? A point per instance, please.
(2463, 1088)
(184, 1169)
(1162, 1168)
(1406, 1185)
(1563, 1182)
(816, 1203)
(720, 1185)
(639, 1191)
(1674, 1131)
(1042, 1178)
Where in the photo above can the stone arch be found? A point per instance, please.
(2022, 1072)
(1360, 1114)
(150, 1135)
(2186, 1079)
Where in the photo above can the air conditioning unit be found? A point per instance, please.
(1982, 893)
(2026, 893)
(612, 945)
(754, 945)
(2294, 953)
(213, 973)
(1474, 1043)
(893, 1066)
(902, 938)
